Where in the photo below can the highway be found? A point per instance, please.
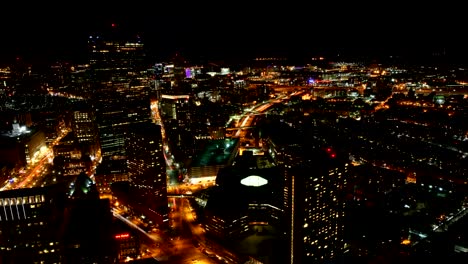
(246, 120)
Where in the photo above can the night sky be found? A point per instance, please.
(42, 31)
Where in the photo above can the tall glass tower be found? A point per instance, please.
(120, 91)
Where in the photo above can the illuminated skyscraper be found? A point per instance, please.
(114, 49)
(28, 225)
(315, 176)
(147, 169)
(85, 129)
(84, 125)
(60, 223)
(121, 90)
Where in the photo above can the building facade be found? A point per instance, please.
(21, 145)
(147, 169)
(54, 225)
(120, 86)
(313, 199)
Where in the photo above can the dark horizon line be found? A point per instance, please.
(439, 55)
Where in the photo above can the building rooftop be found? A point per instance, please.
(216, 152)
(16, 131)
(262, 186)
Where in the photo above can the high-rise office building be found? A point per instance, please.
(28, 221)
(147, 169)
(79, 150)
(119, 105)
(315, 177)
(60, 223)
(71, 159)
(112, 123)
(115, 49)
(84, 123)
(85, 129)
(109, 172)
(87, 235)
(121, 90)
(176, 111)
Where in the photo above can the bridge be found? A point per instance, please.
(288, 88)
(179, 196)
(237, 128)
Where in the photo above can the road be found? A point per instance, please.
(247, 119)
(185, 244)
(36, 170)
(172, 167)
(190, 243)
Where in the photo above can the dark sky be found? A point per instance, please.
(46, 30)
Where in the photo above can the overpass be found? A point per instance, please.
(237, 128)
(288, 88)
(179, 196)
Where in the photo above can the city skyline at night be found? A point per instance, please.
(252, 134)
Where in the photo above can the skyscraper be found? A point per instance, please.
(318, 187)
(147, 169)
(84, 124)
(315, 176)
(59, 223)
(121, 91)
(85, 128)
(115, 49)
(28, 221)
